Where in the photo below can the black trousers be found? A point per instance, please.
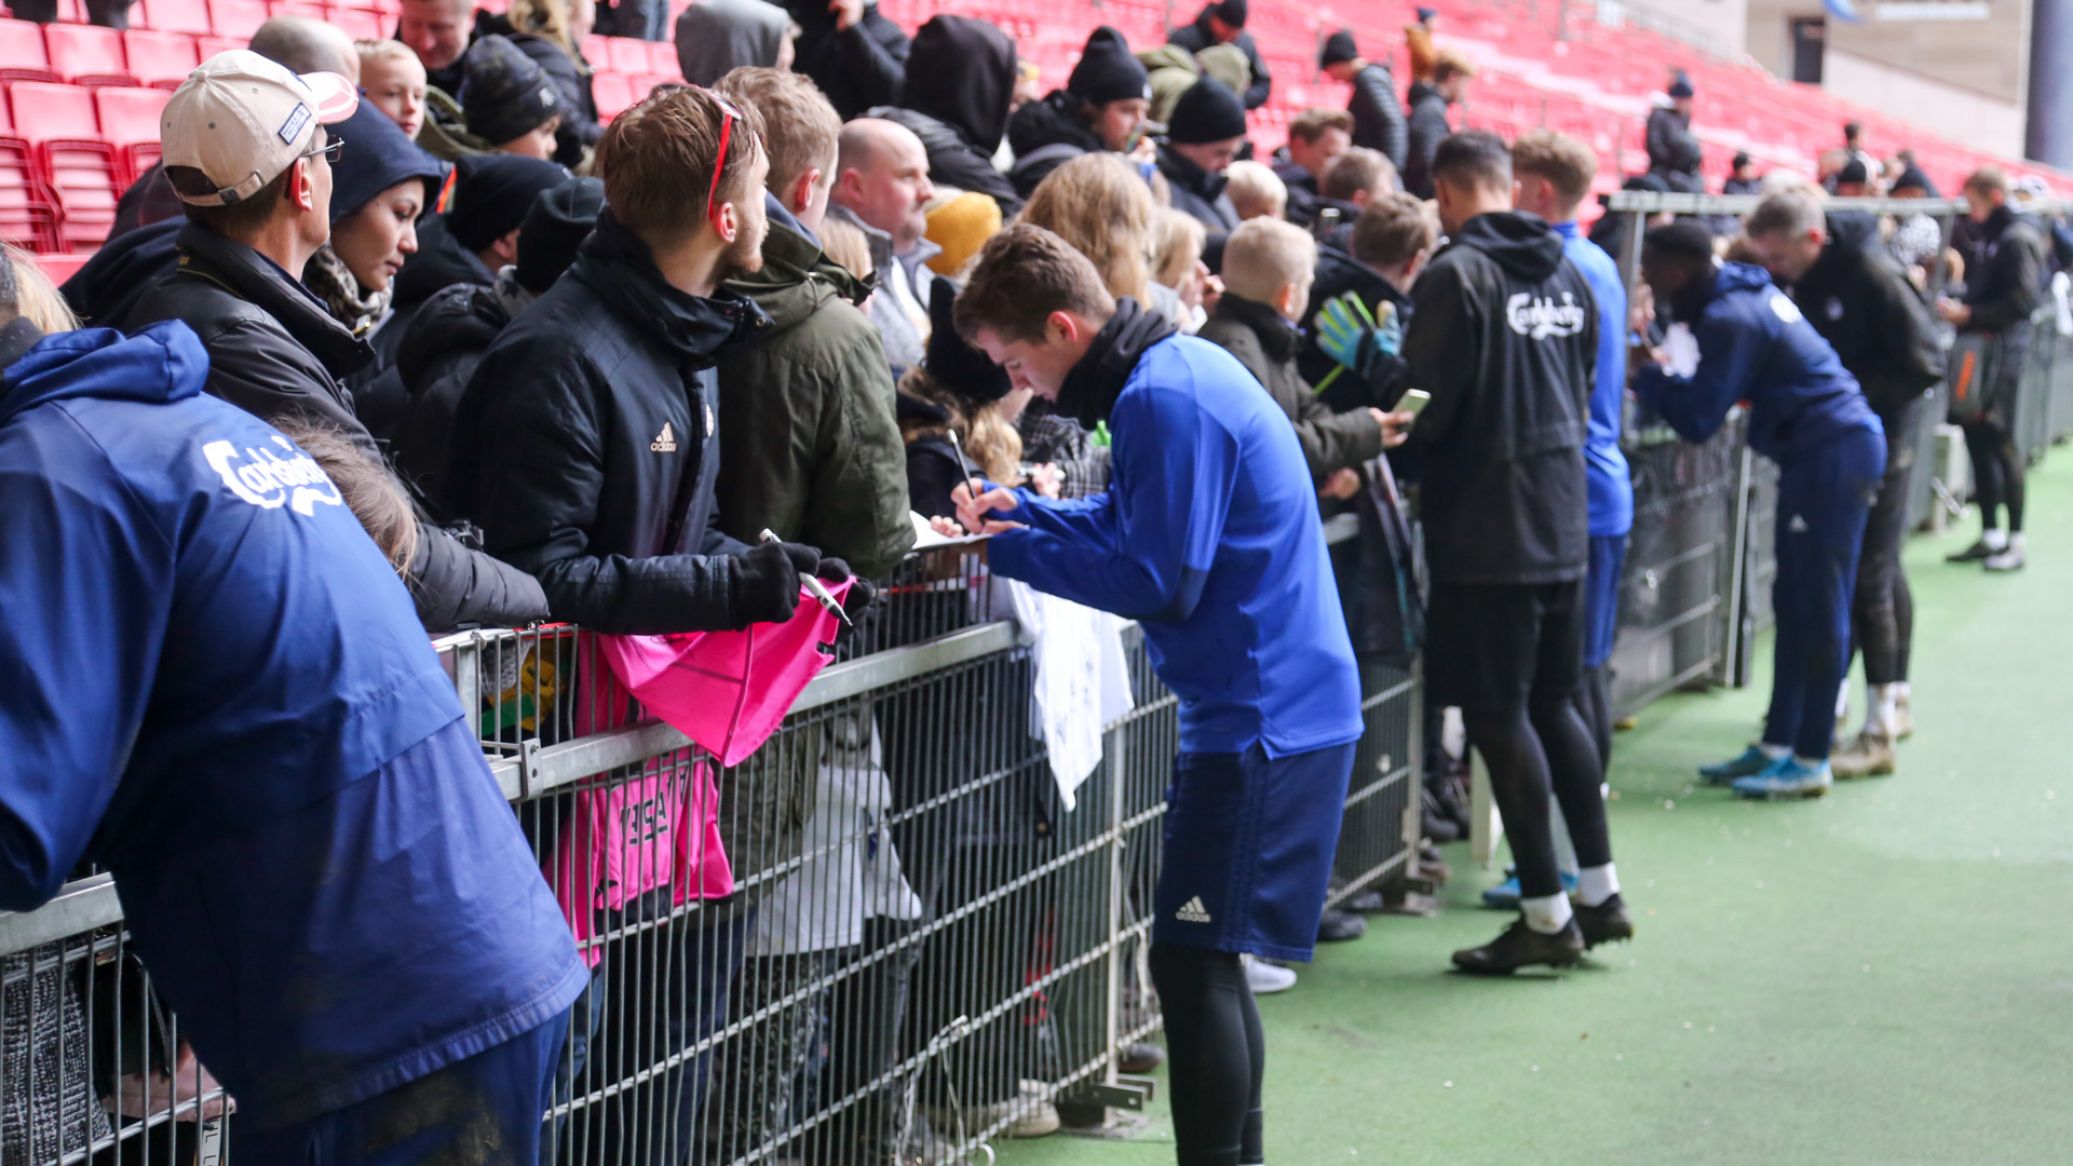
(1997, 472)
(1882, 608)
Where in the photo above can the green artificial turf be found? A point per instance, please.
(1881, 976)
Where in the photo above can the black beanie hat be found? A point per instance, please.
(1231, 12)
(1913, 177)
(1854, 171)
(1207, 112)
(1338, 47)
(560, 219)
(1108, 70)
(957, 366)
(493, 193)
(1682, 87)
(1685, 238)
(504, 95)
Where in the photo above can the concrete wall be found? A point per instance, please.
(1721, 25)
(1987, 123)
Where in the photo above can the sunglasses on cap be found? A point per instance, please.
(728, 116)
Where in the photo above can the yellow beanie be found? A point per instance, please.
(960, 225)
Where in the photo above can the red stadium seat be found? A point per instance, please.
(85, 54)
(208, 46)
(613, 93)
(662, 60)
(80, 167)
(62, 111)
(130, 123)
(237, 18)
(62, 267)
(22, 55)
(160, 58)
(358, 24)
(310, 8)
(625, 54)
(191, 16)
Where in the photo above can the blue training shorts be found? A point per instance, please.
(1249, 846)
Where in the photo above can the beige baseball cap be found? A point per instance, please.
(241, 120)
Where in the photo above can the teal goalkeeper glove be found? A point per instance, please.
(1348, 333)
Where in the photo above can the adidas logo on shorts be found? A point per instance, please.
(1192, 911)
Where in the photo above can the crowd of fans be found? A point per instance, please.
(565, 371)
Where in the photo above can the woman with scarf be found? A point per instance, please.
(381, 184)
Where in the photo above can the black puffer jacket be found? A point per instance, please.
(1673, 150)
(275, 352)
(1504, 337)
(1859, 299)
(960, 82)
(857, 67)
(586, 446)
(1198, 36)
(1427, 126)
(1378, 118)
(1266, 345)
(436, 359)
(1302, 189)
(1046, 135)
(440, 263)
(2003, 286)
(1200, 195)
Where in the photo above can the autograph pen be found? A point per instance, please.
(815, 587)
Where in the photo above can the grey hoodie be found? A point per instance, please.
(716, 36)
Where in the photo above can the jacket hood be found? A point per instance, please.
(715, 36)
(1053, 121)
(1277, 337)
(1689, 305)
(797, 276)
(1740, 277)
(1520, 243)
(618, 267)
(124, 269)
(961, 72)
(440, 262)
(164, 362)
(1168, 57)
(1091, 388)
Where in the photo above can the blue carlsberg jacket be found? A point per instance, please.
(217, 689)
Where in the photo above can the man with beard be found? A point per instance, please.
(1208, 536)
(586, 445)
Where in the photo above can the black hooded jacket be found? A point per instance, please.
(1302, 189)
(1046, 135)
(1673, 150)
(276, 353)
(1198, 36)
(1504, 337)
(1427, 127)
(857, 67)
(1859, 299)
(2006, 282)
(586, 446)
(960, 81)
(437, 357)
(1378, 119)
(1200, 195)
(570, 76)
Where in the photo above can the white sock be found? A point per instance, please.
(1595, 884)
(1811, 762)
(1558, 828)
(1883, 710)
(1774, 752)
(1905, 691)
(1995, 539)
(1546, 914)
(1842, 701)
(2015, 542)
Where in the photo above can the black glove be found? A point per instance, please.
(861, 590)
(766, 583)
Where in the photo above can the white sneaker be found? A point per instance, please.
(2008, 560)
(1028, 1115)
(1266, 979)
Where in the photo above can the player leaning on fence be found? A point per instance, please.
(216, 689)
(1209, 537)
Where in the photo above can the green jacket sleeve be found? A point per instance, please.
(859, 489)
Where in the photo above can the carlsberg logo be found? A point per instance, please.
(269, 481)
(1538, 317)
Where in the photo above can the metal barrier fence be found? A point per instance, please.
(910, 946)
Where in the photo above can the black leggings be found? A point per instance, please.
(1219, 1055)
(1594, 706)
(1997, 473)
(1527, 750)
(1882, 608)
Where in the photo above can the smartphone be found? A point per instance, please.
(1414, 402)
